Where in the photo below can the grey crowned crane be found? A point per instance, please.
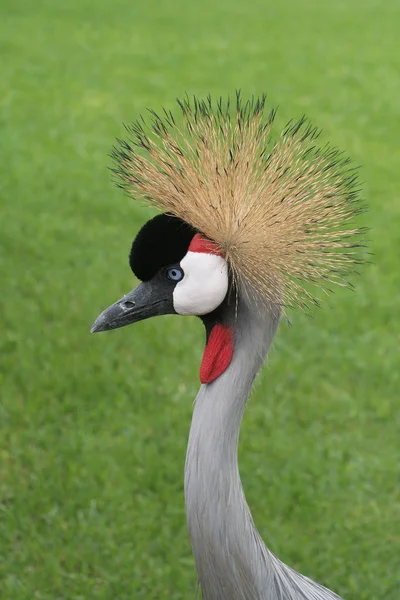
(247, 226)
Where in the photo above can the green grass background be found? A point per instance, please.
(94, 428)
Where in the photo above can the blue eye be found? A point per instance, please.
(175, 274)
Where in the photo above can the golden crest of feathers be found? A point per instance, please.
(280, 211)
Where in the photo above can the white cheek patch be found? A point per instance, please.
(204, 285)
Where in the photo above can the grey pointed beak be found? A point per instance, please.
(147, 300)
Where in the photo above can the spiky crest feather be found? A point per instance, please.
(281, 212)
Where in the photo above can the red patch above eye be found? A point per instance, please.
(217, 353)
(201, 244)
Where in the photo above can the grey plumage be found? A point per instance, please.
(232, 561)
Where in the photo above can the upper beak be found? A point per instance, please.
(141, 303)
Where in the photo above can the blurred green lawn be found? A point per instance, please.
(94, 428)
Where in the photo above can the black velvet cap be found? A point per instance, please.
(162, 241)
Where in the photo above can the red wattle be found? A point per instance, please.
(217, 353)
(201, 244)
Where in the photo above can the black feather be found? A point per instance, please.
(162, 241)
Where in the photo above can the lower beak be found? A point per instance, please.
(141, 303)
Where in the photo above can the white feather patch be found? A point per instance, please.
(204, 285)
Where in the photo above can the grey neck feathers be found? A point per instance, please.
(231, 559)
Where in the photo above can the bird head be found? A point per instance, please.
(181, 272)
(268, 219)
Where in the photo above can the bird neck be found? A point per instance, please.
(232, 561)
(229, 553)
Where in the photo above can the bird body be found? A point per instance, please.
(247, 226)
